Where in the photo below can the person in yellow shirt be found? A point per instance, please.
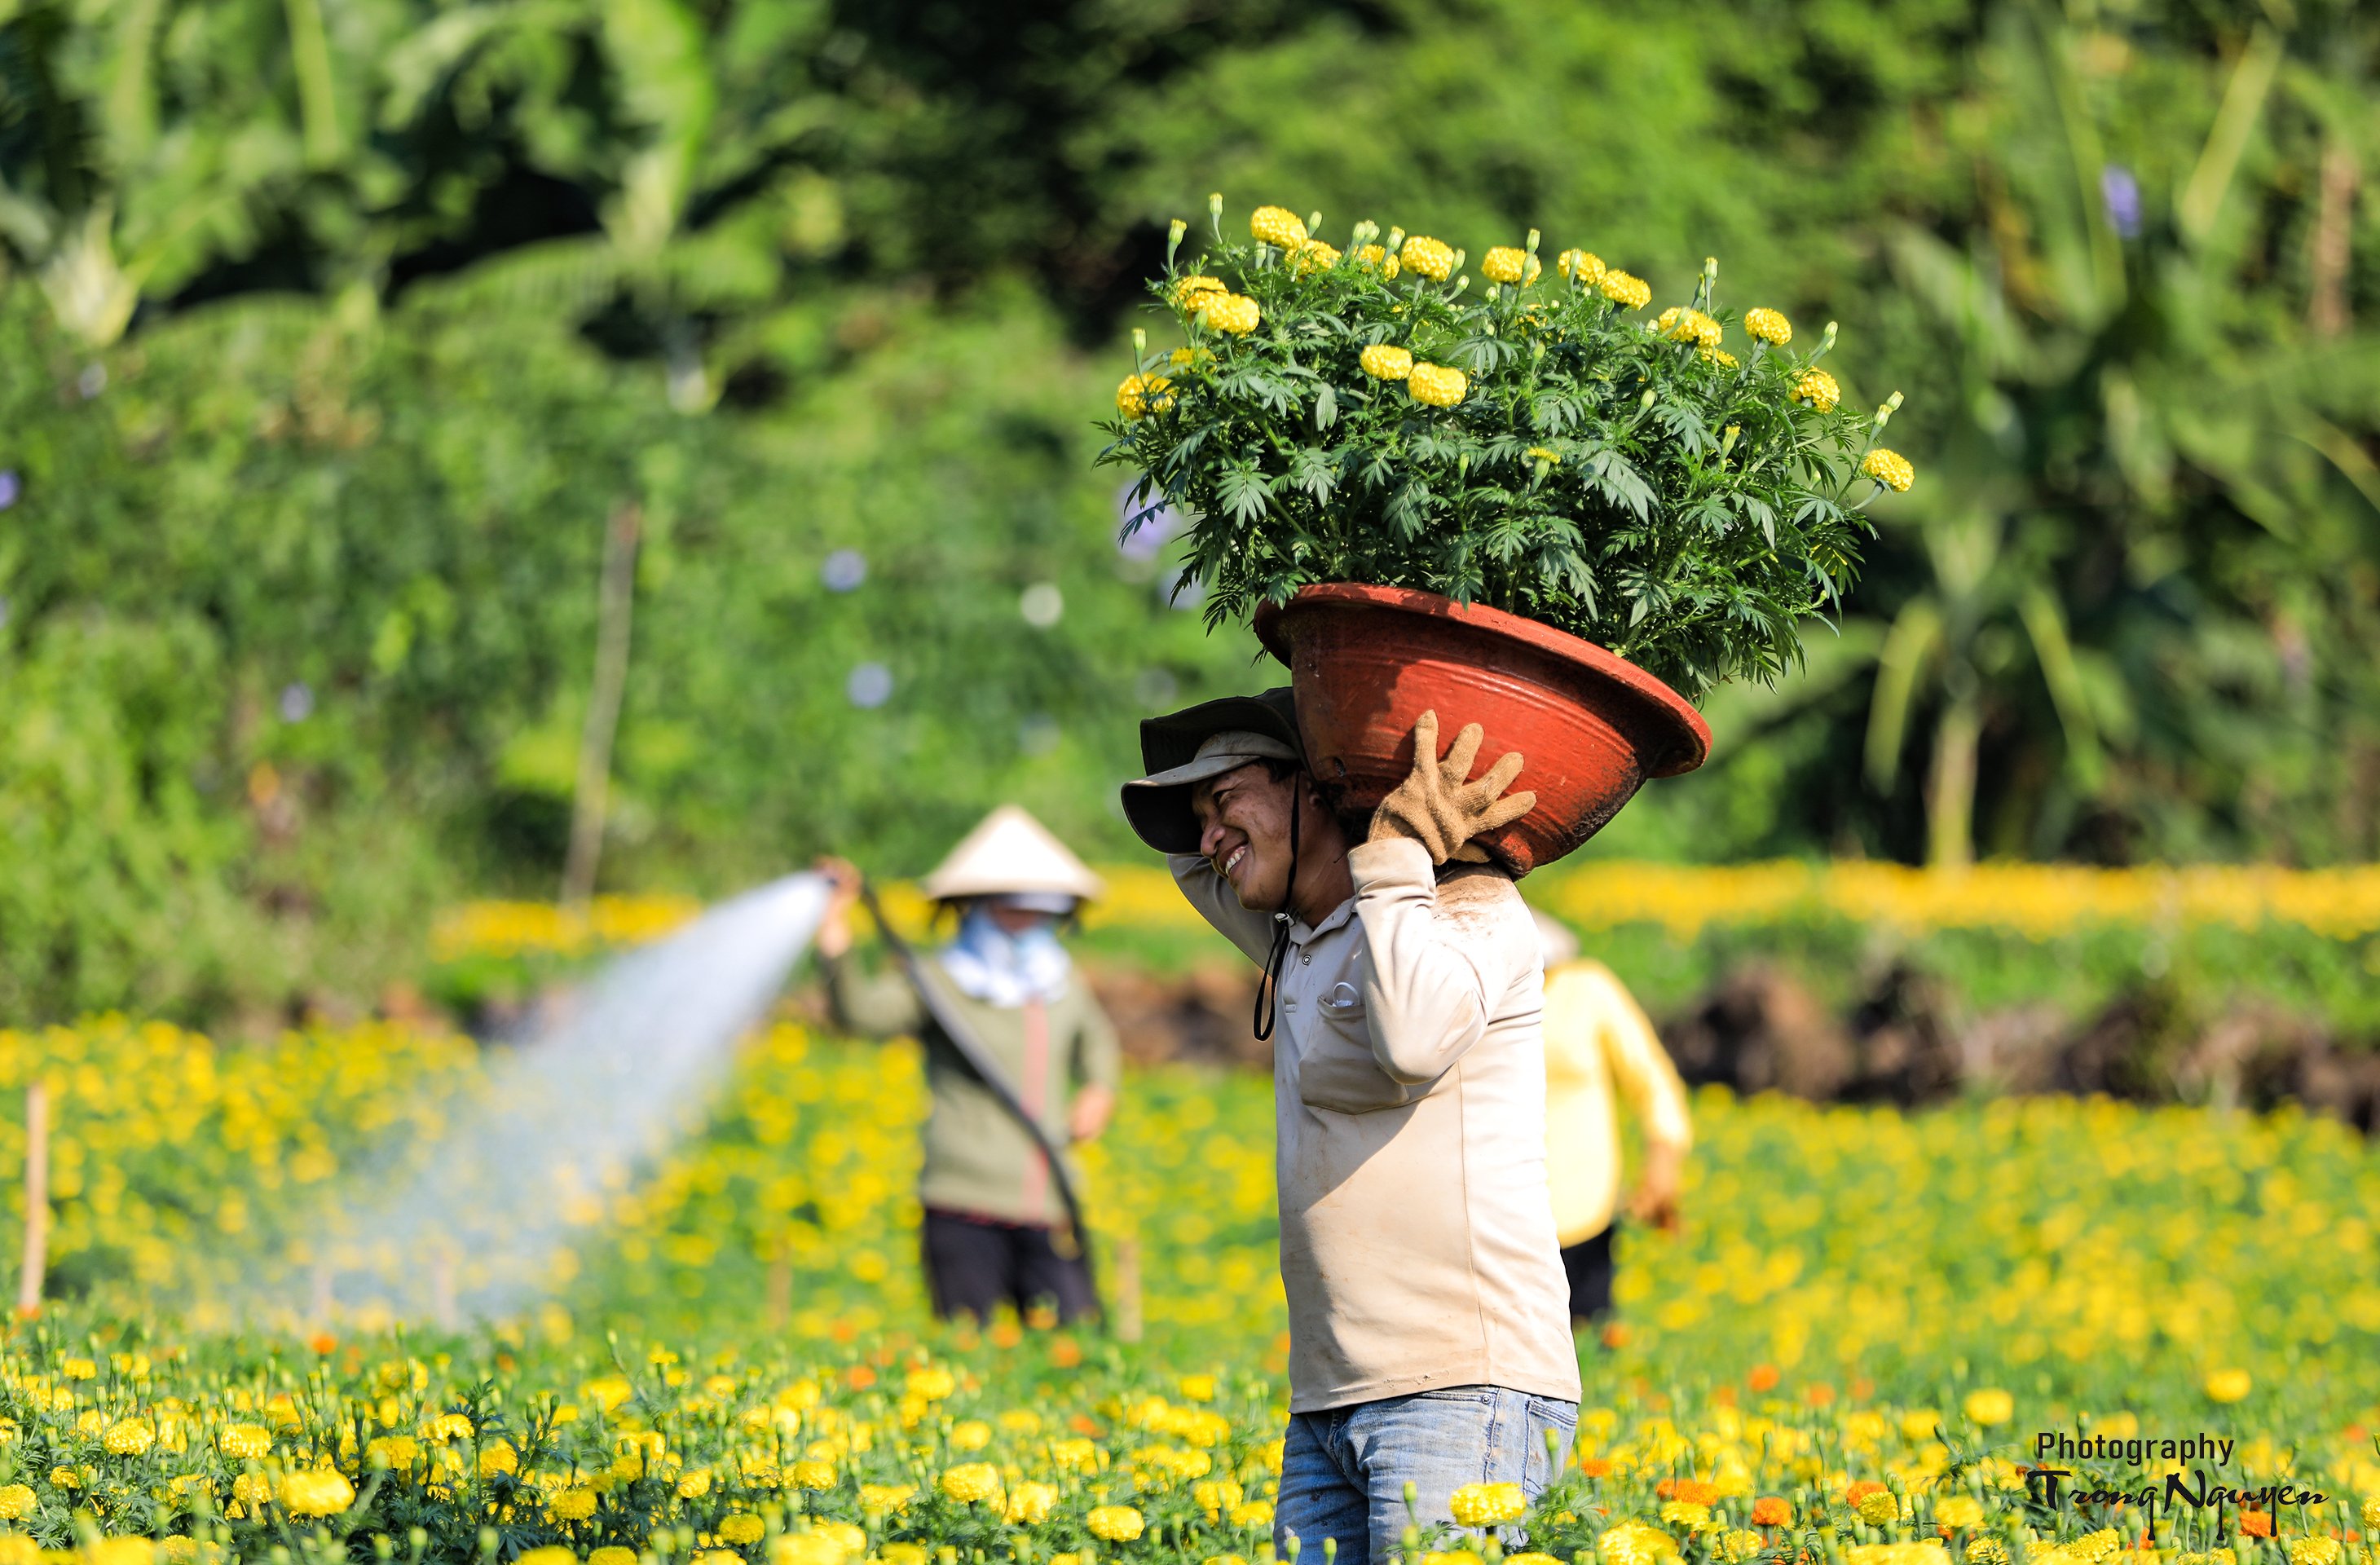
(1598, 1039)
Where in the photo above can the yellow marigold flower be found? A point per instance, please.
(1892, 470)
(1927, 1552)
(570, 1505)
(1768, 325)
(1377, 256)
(1818, 389)
(498, 1456)
(1224, 1560)
(970, 1434)
(128, 1437)
(1029, 1504)
(1186, 296)
(814, 1474)
(1116, 1523)
(1633, 1542)
(78, 1368)
(1624, 288)
(2224, 1385)
(742, 1529)
(1539, 454)
(1487, 1505)
(906, 1554)
(399, 1452)
(16, 1501)
(449, 1426)
(1737, 1546)
(1959, 1511)
(1277, 226)
(316, 1492)
(613, 1554)
(1990, 1406)
(1215, 1494)
(1988, 1550)
(1688, 326)
(1531, 1559)
(934, 1382)
(1583, 267)
(1074, 1455)
(551, 1554)
(886, 1496)
(694, 1482)
(1436, 385)
(971, 1482)
(1685, 1513)
(1250, 1513)
(1143, 394)
(1504, 264)
(1235, 313)
(1386, 361)
(64, 1479)
(120, 1551)
(1311, 256)
(1432, 258)
(2370, 1510)
(2097, 1547)
(1878, 1508)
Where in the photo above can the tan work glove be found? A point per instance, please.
(1437, 808)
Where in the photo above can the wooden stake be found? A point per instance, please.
(37, 1200)
(590, 799)
(1128, 1286)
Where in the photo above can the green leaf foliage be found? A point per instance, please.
(1623, 478)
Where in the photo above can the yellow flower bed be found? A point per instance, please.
(2039, 900)
(2036, 899)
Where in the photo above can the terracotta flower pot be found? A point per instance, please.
(1366, 661)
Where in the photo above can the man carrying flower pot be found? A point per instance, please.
(1429, 1327)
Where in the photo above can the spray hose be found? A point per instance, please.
(986, 1070)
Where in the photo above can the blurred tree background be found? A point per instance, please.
(343, 341)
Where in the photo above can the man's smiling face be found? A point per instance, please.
(1243, 833)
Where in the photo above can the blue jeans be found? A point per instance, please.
(1343, 1469)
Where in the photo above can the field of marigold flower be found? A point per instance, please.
(1844, 1354)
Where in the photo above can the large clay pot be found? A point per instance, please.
(1366, 661)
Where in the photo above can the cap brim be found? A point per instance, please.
(1159, 806)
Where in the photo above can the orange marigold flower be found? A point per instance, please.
(1595, 1467)
(1764, 1377)
(1861, 1490)
(2256, 1524)
(1769, 1510)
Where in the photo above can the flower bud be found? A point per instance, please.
(1532, 241)
(1215, 205)
(1173, 238)
(1645, 403)
(1458, 261)
(1396, 239)
(1884, 414)
(1827, 342)
(1314, 223)
(1140, 340)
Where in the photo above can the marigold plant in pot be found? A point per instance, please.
(1522, 500)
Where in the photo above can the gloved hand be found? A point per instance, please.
(1437, 808)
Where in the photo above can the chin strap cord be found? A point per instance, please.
(1269, 987)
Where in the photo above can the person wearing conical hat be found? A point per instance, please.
(994, 1217)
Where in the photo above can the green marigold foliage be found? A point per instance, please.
(1620, 475)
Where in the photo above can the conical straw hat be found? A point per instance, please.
(1010, 853)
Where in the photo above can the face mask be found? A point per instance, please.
(989, 963)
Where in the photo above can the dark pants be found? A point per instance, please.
(973, 1264)
(1588, 1266)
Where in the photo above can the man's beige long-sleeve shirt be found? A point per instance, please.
(1417, 1244)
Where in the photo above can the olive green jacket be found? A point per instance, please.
(978, 1160)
